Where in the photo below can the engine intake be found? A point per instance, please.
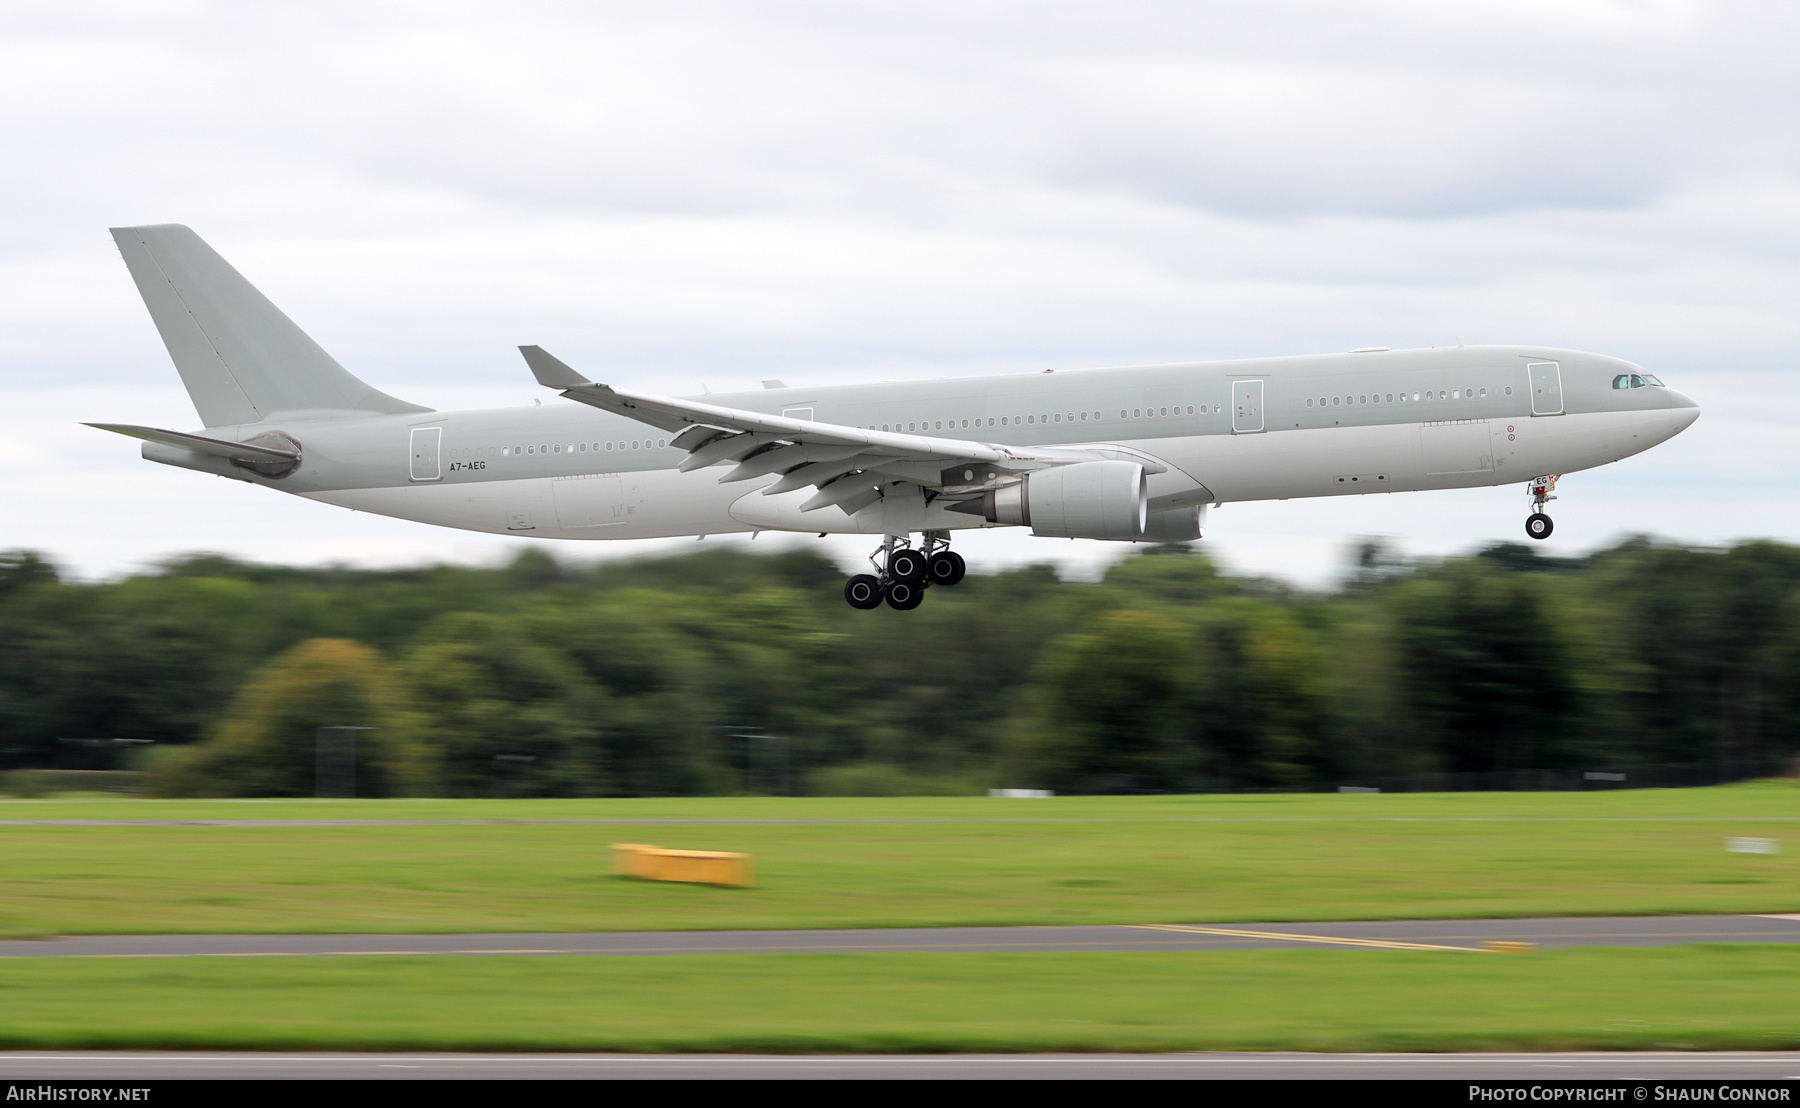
(1086, 500)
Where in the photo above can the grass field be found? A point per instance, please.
(1706, 997)
(967, 861)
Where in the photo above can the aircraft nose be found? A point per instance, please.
(1682, 410)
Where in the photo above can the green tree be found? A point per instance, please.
(267, 743)
(503, 713)
(1115, 707)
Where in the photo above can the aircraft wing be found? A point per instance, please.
(846, 463)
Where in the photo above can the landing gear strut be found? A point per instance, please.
(902, 573)
(1543, 490)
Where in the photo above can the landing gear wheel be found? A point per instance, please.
(947, 567)
(1538, 525)
(904, 596)
(863, 592)
(906, 565)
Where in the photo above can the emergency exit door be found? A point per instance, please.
(1246, 406)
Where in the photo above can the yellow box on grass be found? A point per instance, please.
(701, 867)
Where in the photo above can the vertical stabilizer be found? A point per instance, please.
(240, 357)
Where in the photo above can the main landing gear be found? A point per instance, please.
(902, 573)
(1543, 490)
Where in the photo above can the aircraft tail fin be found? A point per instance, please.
(240, 357)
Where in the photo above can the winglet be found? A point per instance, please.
(551, 372)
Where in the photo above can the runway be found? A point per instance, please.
(1635, 1066)
(1442, 935)
(656, 822)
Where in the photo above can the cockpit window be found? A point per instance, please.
(1622, 381)
(1636, 381)
(1649, 380)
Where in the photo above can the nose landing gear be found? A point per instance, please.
(902, 574)
(1543, 490)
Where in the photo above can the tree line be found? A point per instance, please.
(723, 671)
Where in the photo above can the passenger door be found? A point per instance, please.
(425, 442)
(1546, 388)
(1246, 407)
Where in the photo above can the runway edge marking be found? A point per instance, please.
(1227, 932)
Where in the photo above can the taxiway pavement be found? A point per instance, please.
(1448, 935)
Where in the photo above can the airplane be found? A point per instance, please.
(1135, 454)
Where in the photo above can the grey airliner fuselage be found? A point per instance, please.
(1133, 454)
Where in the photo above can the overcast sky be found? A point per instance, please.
(675, 195)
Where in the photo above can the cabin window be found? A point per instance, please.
(1362, 400)
(1309, 401)
(940, 425)
(1390, 398)
(584, 448)
(1137, 413)
(990, 421)
(1121, 413)
(1336, 400)
(1509, 390)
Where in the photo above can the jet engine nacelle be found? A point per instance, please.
(1086, 500)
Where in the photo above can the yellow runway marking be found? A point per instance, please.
(1384, 944)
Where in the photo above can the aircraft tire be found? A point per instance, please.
(1538, 525)
(906, 565)
(904, 596)
(862, 592)
(947, 567)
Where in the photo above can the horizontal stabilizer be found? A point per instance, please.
(236, 451)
